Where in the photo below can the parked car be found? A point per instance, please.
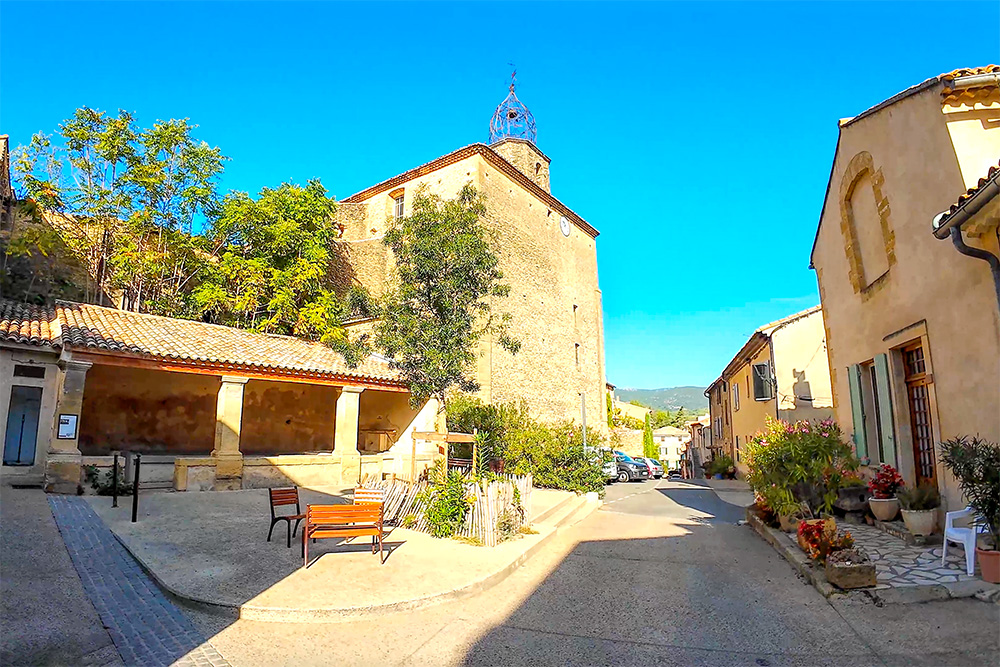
(675, 474)
(610, 469)
(655, 467)
(629, 469)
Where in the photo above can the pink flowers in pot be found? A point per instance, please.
(886, 482)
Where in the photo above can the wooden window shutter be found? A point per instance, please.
(884, 398)
(857, 410)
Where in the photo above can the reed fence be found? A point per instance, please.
(500, 507)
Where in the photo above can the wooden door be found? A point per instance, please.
(918, 397)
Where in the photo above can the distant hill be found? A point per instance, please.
(669, 398)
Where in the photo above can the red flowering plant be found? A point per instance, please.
(886, 482)
(821, 538)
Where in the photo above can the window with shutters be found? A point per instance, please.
(736, 396)
(763, 389)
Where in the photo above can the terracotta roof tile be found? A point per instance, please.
(85, 327)
(992, 174)
(28, 324)
(968, 96)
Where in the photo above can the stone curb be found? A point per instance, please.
(802, 564)
(784, 545)
(335, 614)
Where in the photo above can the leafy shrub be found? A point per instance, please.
(105, 486)
(886, 482)
(551, 453)
(446, 504)
(975, 462)
(923, 497)
(554, 456)
(721, 465)
(802, 462)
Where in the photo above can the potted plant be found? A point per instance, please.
(852, 493)
(849, 569)
(975, 462)
(884, 485)
(919, 507)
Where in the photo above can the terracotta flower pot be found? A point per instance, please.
(989, 565)
(788, 523)
(920, 522)
(884, 509)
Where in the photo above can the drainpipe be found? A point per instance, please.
(947, 224)
(978, 253)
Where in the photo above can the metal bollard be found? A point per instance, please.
(135, 488)
(114, 483)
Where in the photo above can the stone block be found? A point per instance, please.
(849, 576)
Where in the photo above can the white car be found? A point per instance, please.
(655, 467)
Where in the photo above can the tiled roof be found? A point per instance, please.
(991, 175)
(86, 327)
(771, 326)
(28, 324)
(971, 95)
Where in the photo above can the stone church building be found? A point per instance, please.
(548, 256)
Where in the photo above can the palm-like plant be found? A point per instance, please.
(975, 462)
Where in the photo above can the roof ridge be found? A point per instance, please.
(790, 318)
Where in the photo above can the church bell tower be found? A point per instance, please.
(513, 135)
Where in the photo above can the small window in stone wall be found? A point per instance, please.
(577, 353)
(29, 371)
(397, 207)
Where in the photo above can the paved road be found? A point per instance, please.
(661, 575)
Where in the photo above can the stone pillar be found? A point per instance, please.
(62, 462)
(228, 421)
(345, 437)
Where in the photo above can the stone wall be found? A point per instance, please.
(147, 411)
(287, 418)
(528, 160)
(627, 440)
(555, 299)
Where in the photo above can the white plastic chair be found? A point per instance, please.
(964, 536)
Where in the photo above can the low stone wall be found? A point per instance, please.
(310, 470)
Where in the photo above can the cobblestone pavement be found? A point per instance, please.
(147, 629)
(897, 564)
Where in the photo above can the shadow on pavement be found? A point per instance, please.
(705, 500)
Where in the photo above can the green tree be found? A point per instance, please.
(273, 273)
(448, 275)
(660, 418)
(126, 201)
(611, 412)
(648, 446)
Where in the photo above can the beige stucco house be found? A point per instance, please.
(781, 372)
(548, 254)
(908, 273)
(208, 406)
(671, 443)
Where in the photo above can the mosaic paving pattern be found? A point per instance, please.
(897, 564)
(147, 629)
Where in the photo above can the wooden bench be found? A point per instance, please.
(279, 498)
(339, 521)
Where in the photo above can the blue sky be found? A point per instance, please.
(697, 137)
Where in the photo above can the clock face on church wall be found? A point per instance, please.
(564, 225)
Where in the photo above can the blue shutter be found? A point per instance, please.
(884, 396)
(857, 410)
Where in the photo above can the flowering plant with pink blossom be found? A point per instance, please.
(790, 463)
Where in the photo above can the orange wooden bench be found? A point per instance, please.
(339, 521)
(280, 497)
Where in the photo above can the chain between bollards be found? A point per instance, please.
(135, 488)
